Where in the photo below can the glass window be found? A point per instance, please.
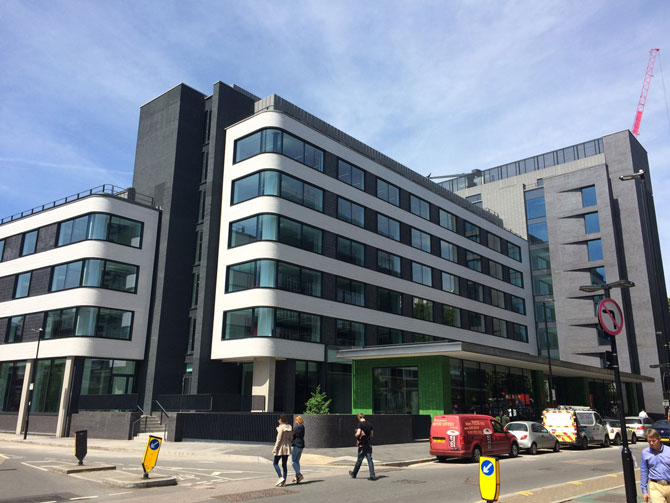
(422, 309)
(195, 289)
(312, 239)
(349, 333)
(125, 232)
(350, 251)
(290, 232)
(539, 259)
(288, 277)
(495, 270)
(388, 263)
(513, 251)
(86, 321)
(244, 231)
(313, 157)
(11, 385)
(497, 298)
(313, 197)
(542, 284)
(422, 274)
(595, 249)
(396, 390)
(389, 336)
(239, 324)
(60, 323)
(350, 212)
(291, 189)
(448, 220)
(270, 183)
(2, 248)
(245, 188)
(388, 227)
(420, 240)
(242, 276)
(535, 207)
(419, 207)
(499, 328)
(451, 316)
(350, 292)
(22, 285)
(516, 278)
(519, 332)
(389, 301)
(114, 324)
(29, 243)
(48, 384)
(450, 283)
(598, 276)
(14, 331)
(518, 304)
(350, 174)
(591, 223)
(67, 276)
(472, 232)
(494, 242)
(475, 291)
(204, 166)
(248, 147)
(387, 192)
(477, 322)
(538, 233)
(589, 196)
(474, 261)
(448, 251)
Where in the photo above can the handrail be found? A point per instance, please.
(163, 411)
(140, 408)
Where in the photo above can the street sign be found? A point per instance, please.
(666, 403)
(150, 455)
(80, 445)
(610, 316)
(489, 478)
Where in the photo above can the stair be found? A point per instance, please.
(150, 425)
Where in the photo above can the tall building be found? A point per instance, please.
(586, 226)
(277, 254)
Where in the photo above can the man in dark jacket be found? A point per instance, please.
(364, 433)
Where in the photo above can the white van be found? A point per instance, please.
(576, 425)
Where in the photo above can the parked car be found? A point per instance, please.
(639, 426)
(576, 425)
(470, 436)
(533, 436)
(614, 431)
(663, 429)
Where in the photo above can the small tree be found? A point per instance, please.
(318, 403)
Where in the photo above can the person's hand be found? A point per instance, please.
(645, 497)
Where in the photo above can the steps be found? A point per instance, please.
(150, 425)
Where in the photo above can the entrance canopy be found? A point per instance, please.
(487, 354)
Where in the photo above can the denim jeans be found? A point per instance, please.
(284, 458)
(295, 459)
(365, 452)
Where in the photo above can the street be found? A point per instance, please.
(25, 477)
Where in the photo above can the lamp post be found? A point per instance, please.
(626, 455)
(552, 399)
(31, 388)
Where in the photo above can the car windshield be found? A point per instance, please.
(613, 424)
(661, 424)
(516, 427)
(632, 421)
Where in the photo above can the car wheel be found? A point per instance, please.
(441, 459)
(617, 439)
(633, 439)
(557, 446)
(476, 454)
(533, 448)
(606, 441)
(514, 450)
(584, 444)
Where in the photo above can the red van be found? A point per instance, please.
(470, 436)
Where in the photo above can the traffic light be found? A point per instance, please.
(610, 360)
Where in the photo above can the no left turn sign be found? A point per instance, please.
(610, 316)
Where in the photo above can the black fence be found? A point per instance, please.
(108, 402)
(211, 402)
(241, 427)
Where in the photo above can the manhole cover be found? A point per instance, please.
(253, 495)
(407, 481)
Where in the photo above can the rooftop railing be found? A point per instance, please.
(111, 190)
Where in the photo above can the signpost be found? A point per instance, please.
(150, 455)
(610, 316)
(80, 445)
(489, 479)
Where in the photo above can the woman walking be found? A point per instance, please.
(298, 445)
(282, 448)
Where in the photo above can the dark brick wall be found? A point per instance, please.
(12, 247)
(39, 281)
(104, 424)
(8, 422)
(46, 239)
(6, 288)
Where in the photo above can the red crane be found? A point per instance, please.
(645, 89)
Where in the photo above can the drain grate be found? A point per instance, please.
(408, 481)
(253, 495)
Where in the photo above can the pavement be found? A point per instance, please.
(608, 488)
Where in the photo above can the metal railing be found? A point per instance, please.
(109, 189)
(163, 411)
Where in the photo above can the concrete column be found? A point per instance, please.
(25, 391)
(263, 382)
(68, 376)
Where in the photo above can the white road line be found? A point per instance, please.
(33, 466)
(119, 494)
(3, 456)
(50, 501)
(83, 498)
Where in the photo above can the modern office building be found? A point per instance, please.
(276, 254)
(586, 226)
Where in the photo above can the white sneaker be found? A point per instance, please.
(280, 483)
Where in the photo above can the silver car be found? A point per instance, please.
(614, 431)
(533, 436)
(638, 426)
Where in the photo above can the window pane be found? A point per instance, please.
(421, 274)
(449, 283)
(591, 223)
(518, 304)
(312, 239)
(447, 220)
(98, 226)
(538, 233)
(29, 243)
(513, 251)
(242, 277)
(451, 316)
(516, 278)
(271, 141)
(313, 197)
(448, 251)
(113, 324)
(535, 208)
(246, 188)
(313, 157)
(494, 242)
(293, 148)
(291, 189)
(595, 249)
(388, 192)
(539, 259)
(238, 324)
(598, 276)
(477, 322)
(589, 196)
(288, 277)
(495, 270)
(497, 298)
(289, 232)
(14, 330)
(388, 263)
(389, 301)
(422, 309)
(22, 285)
(472, 232)
(247, 147)
(268, 228)
(73, 275)
(124, 231)
(311, 282)
(86, 321)
(474, 261)
(419, 207)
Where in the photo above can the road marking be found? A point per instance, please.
(525, 493)
(575, 482)
(3, 456)
(614, 475)
(50, 501)
(33, 466)
(119, 494)
(83, 498)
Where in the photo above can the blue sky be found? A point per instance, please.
(440, 86)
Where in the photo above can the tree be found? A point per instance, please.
(318, 403)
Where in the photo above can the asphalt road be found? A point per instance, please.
(25, 478)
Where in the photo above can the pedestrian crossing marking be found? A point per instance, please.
(613, 475)
(575, 482)
(525, 493)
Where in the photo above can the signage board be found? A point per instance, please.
(610, 316)
(489, 478)
(151, 454)
(80, 445)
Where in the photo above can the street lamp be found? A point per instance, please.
(552, 398)
(31, 388)
(626, 455)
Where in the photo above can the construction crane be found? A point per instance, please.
(645, 89)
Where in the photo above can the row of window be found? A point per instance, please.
(94, 226)
(274, 140)
(294, 325)
(269, 227)
(83, 321)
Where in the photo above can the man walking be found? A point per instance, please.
(364, 433)
(655, 470)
